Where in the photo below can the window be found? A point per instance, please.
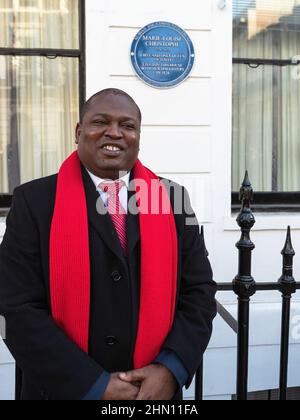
(266, 100)
(41, 87)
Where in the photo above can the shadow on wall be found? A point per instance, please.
(7, 374)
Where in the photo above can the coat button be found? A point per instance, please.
(111, 340)
(116, 276)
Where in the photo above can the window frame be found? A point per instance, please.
(268, 201)
(80, 53)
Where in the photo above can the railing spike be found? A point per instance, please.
(246, 181)
(246, 192)
(288, 249)
(287, 279)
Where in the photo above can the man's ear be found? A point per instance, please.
(77, 132)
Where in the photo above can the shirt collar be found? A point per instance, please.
(97, 181)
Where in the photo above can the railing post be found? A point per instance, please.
(199, 373)
(244, 286)
(287, 287)
(18, 383)
(199, 383)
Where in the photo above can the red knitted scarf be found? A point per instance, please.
(70, 262)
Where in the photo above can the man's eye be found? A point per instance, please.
(100, 122)
(129, 126)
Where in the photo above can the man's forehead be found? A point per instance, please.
(112, 98)
(110, 104)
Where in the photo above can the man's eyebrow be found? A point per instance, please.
(100, 114)
(123, 117)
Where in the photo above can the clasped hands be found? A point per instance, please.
(153, 382)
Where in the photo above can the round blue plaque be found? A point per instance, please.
(162, 55)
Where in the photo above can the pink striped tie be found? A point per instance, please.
(116, 210)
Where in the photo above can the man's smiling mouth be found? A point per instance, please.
(112, 148)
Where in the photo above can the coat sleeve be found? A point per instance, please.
(50, 362)
(196, 304)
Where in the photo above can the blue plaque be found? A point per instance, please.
(162, 55)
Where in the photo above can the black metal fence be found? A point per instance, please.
(244, 287)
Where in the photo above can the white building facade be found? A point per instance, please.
(187, 137)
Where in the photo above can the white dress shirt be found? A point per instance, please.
(123, 194)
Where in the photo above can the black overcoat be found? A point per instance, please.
(53, 367)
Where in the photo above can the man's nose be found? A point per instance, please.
(113, 131)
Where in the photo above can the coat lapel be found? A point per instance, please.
(133, 224)
(103, 223)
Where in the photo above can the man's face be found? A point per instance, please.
(109, 136)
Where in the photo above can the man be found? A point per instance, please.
(103, 297)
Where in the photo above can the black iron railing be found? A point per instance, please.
(244, 287)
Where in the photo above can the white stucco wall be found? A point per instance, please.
(186, 136)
